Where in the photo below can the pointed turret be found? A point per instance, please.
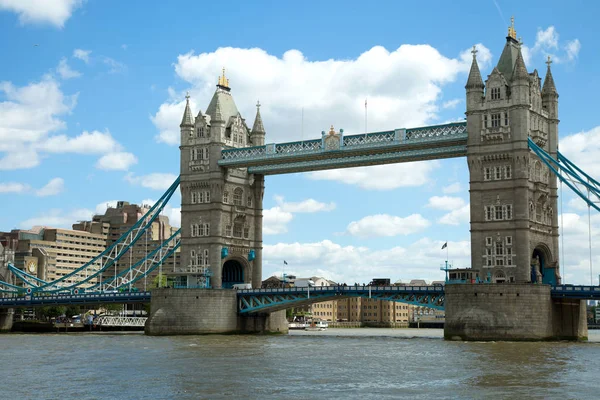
(474, 81)
(508, 58)
(218, 115)
(258, 129)
(188, 119)
(520, 71)
(549, 87)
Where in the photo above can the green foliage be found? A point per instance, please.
(51, 311)
(111, 307)
(159, 281)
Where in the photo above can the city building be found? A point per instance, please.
(51, 253)
(116, 221)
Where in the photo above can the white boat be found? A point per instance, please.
(316, 326)
(297, 325)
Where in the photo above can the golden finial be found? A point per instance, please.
(511, 29)
(223, 81)
(331, 130)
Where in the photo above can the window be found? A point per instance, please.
(509, 240)
(249, 202)
(507, 211)
(201, 230)
(227, 230)
(206, 229)
(487, 173)
(193, 256)
(206, 257)
(238, 193)
(200, 131)
(495, 120)
(207, 197)
(507, 172)
(488, 241)
(489, 213)
(237, 230)
(246, 232)
(194, 197)
(498, 214)
(497, 173)
(194, 230)
(205, 154)
(499, 248)
(225, 197)
(495, 93)
(485, 121)
(509, 256)
(194, 154)
(506, 119)
(201, 197)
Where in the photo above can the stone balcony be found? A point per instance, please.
(539, 137)
(497, 133)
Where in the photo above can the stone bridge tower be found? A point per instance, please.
(514, 222)
(221, 209)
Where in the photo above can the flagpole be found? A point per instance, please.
(365, 120)
(446, 252)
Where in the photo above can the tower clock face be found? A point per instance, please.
(31, 266)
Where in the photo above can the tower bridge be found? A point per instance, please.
(510, 141)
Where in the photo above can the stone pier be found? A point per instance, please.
(511, 312)
(206, 311)
(6, 319)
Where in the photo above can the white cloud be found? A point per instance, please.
(451, 103)
(275, 221)
(547, 43)
(102, 207)
(403, 87)
(347, 264)
(381, 177)
(65, 71)
(305, 206)
(452, 188)
(120, 161)
(55, 12)
(572, 48)
(387, 225)
(52, 188)
(456, 217)
(94, 142)
(83, 55)
(157, 181)
(115, 66)
(57, 218)
(25, 158)
(445, 202)
(584, 148)
(13, 187)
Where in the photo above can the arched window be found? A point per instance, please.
(237, 229)
(238, 194)
(537, 171)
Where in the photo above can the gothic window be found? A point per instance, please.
(205, 153)
(506, 119)
(246, 232)
(194, 197)
(193, 257)
(207, 196)
(485, 121)
(227, 230)
(488, 241)
(499, 248)
(495, 93)
(206, 229)
(201, 197)
(238, 193)
(201, 230)
(537, 171)
(498, 214)
(487, 173)
(489, 213)
(507, 172)
(226, 197)
(206, 263)
(538, 213)
(495, 120)
(249, 202)
(497, 173)
(509, 240)
(200, 131)
(507, 211)
(194, 229)
(237, 230)
(509, 256)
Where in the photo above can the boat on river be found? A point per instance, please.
(317, 325)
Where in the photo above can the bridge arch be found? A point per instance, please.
(542, 265)
(234, 270)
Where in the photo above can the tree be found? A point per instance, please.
(159, 280)
(51, 311)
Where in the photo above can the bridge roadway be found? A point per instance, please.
(269, 300)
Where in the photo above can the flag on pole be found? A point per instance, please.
(285, 262)
(445, 245)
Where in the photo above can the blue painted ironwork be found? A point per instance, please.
(269, 300)
(581, 183)
(429, 140)
(28, 279)
(575, 292)
(34, 300)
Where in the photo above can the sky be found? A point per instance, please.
(92, 93)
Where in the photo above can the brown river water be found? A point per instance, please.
(361, 363)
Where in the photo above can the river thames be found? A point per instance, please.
(336, 364)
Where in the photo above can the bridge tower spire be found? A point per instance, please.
(514, 230)
(221, 209)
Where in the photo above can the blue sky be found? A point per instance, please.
(92, 93)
